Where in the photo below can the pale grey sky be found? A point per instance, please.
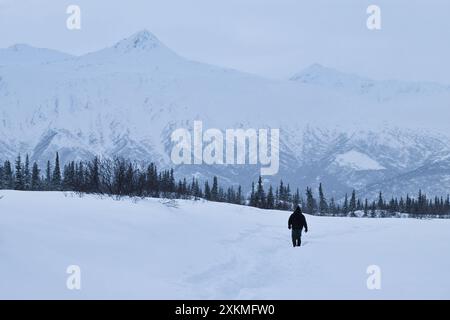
(273, 38)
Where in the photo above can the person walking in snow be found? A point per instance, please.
(296, 223)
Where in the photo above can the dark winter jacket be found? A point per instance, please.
(297, 221)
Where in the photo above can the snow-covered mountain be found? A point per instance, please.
(126, 100)
(332, 79)
(22, 54)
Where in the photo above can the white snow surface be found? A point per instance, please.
(158, 249)
(358, 161)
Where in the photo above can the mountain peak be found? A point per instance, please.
(381, 90)
(318, 74)
(20, 47)
(142, 40)
(317, 67)
(316, 71)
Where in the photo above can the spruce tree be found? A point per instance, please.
(310, 201)
(171, 181)
(207, 191)
(239, 196)
(8, 176)
(260, 195)
(215, 190)
(332, 208)
(2, 178)
(35, 178)
(129, 181)
(277, 199)
(69, 177)
(380, 205)
(373, 210)
(288, 198)
(359, 206)
(447, 205)
(152, 185)
(94, 176)
(366, 207)
(222, 195)
(48, 176)
(323, 205)
(345, 206)
(27, 173)
(56, 178)
(252, 200)
(270, 199)
(19, 178)
(402, 205)
(352, 206)
(282, 196)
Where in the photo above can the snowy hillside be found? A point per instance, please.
(380, 91)
(160, 249)
(22, 54)
(126, 100)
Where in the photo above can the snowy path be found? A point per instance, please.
(190, 250)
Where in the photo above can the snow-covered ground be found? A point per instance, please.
(159, 249)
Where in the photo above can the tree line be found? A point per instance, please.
(120, 177)
(350, 206)
(117, 177)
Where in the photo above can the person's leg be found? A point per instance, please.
(296, 237)
(300, 238)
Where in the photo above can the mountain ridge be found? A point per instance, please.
(126, 99)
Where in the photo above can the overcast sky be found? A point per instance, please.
(273, 38)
